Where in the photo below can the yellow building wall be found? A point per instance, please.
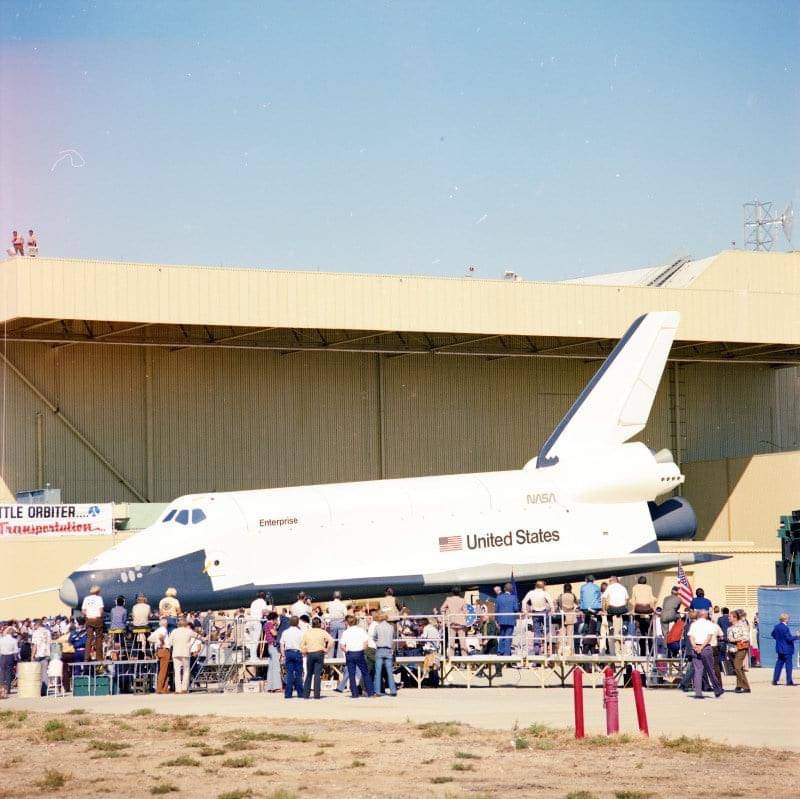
(742, 499)
(31, 571)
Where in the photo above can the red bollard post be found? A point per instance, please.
(577, 695)
(611, 701)
(638, 695)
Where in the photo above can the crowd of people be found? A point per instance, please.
(290, 648)
(18, 244)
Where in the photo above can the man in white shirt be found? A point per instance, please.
(258, 609)
(337, 610)
(40, 649)
(302, 607)
(291, 639)
(615, 602)
(538, 603)
(701, 634)
(158, 641)
(354, 641)
(94, 611)
(9, 652)
(180, 641)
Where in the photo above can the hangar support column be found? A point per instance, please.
(381, 432)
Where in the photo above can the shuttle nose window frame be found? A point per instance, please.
(185, 516)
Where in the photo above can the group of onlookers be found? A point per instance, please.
(18, 244)
(290, 647)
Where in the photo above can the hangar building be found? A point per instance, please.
(136, 383)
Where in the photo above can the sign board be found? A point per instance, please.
(30, 521)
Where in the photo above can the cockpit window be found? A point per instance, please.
(182, 517)
(168, 517)
(197, 516)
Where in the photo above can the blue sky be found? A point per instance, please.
(551, 139)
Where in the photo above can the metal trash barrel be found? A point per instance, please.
(29, 680)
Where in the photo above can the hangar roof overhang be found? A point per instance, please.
(737, 307)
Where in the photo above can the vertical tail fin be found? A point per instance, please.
(616, 403)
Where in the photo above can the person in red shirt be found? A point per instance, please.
(17, 242)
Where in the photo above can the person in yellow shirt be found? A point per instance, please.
(170, 607)
(314, 645)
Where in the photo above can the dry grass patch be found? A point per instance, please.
(183, 760)
(108, 755)
(253, 735)
(56, 730)
(543, 731)
(76, 711)
(241, 794)
(210, 751)
(108, 746)
(53, 780)
(238, 762)
(142, 711)
(522, 743)
(463, 767)
(357, 764)
(164, 787)
(632, 794)
(694, 745)
(467, 756)
(581, 795)
(607, 740)
(439, 729)
(441, 780)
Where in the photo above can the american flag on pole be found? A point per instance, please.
(685, 593)
(450, 543)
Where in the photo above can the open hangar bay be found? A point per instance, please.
(136, 383)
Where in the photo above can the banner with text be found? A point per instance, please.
(56, 520)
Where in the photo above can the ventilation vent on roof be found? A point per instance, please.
(662, 277)
(737, 596)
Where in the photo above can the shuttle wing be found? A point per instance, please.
(576, 570)
(616, 403)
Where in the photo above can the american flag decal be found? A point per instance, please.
(450, 543)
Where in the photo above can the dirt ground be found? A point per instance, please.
(142, 754)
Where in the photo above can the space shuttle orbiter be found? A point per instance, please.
(585, 504)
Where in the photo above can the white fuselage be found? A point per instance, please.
(389, 528)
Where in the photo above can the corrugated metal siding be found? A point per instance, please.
(732, 410)
(231, 419)
(739, 311)
(238, 420)
(787, 409)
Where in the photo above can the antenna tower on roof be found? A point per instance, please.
(760, 225)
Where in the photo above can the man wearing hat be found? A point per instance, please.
(93, 611)
(170, 607)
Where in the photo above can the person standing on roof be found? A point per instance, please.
(17, 243)
(33, 245)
